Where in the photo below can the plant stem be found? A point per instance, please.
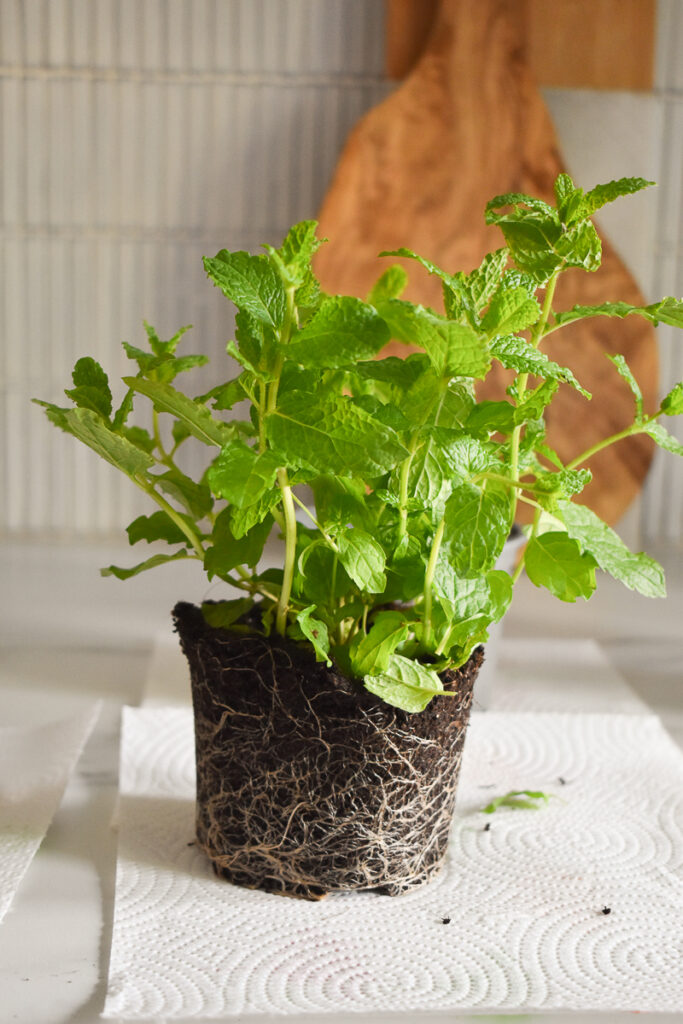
(315, 521)
(290, 551)
(429, 579)
(261, 416)
(590, 452)
(285, 334)
(172, 514)
(536, 336)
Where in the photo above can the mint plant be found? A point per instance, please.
(392, 488)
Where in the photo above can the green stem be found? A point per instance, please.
(536, 336)
(285, 334)
(262, 416)
(429, 579)
(172, 514)
(315, 521)
(590, 452)
(290, 551)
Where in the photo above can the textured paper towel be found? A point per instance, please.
(524, 897)
(35, 765)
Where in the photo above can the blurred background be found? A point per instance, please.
(139, 135)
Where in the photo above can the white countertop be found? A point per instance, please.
(69, 637)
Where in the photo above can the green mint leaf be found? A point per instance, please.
(316, 633)
(554, 561)
(399, 373)
(340, 500)
(483, 282)
(222, 614)
(487, 418)
(324, 580)
(195, 498)
(455, 350)
(158, 526)
(226, 396)
(510, 310)
(296, 252)
(94, 431)
(563, 483)
(405, 684)
(637, 571)
(465, 456)
(517, 199)
(603, 194)
(251, 282)
(667, 311)
(515, 353)
(389, 286)
(372, 655)
(518, 799)
(242, 476)
(532, 245)
(123, 412)
(531, 408)
(625, 372)
(242, 520)
(500, 593)
(663, 438)
(580, 246)
(477, 523)
(429, 403)
(333, 436)
(196, 417)
(427, 264)
(150, 563)
(91, 387)
(228, 550)
(343, 331)
(364, 560)
(672, 404)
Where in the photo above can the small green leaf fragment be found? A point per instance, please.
(519, 799)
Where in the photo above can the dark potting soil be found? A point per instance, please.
(306, 783)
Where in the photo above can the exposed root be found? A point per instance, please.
(306, 783)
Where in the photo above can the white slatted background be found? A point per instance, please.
(139, 135)
(663, 497)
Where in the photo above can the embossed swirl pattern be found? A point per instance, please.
(524, 898)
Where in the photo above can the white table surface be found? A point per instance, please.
(68, 637)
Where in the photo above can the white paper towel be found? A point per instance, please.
(35, 765)
(523, 899)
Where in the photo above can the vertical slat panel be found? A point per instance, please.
(132, 147)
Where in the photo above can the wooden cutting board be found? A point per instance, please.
(468, 123)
